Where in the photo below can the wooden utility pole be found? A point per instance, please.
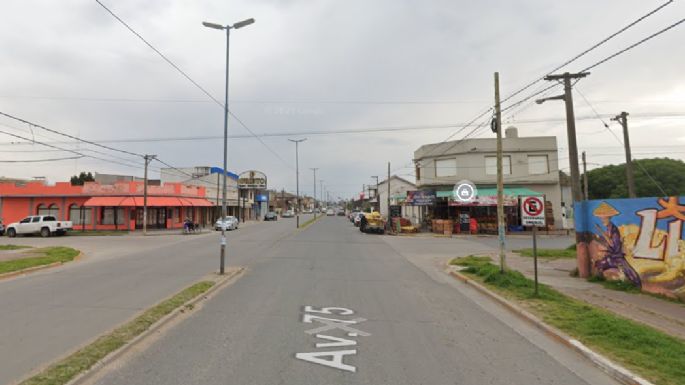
(584, 263)
(388, 192)
(622, 118)
(148, 159)
(586, 195)
(500, 177)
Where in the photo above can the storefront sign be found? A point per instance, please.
(532, 211)
(395, 211)
(252, 179)
(420, 198)
(490, 200)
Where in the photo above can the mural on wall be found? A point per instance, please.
(640, 241)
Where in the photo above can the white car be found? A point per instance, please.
(330, 212)
(45, 225)
(230, 222)
(288, 214)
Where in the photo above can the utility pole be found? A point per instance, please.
(584, 266)
(500, 177)
(297, 176)
(586, 195)
(388, 191)
(622, 118)
(321, 190)
(148, 159)
(376, 195)
(314, 169)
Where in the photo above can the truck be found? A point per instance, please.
(45, 225)
(372, 223)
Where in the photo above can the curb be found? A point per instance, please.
(38, 268)
(614, 370)
(113, 356)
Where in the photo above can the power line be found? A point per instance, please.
(40, 160)
(598, 44)
(31, 124)
(196, 84)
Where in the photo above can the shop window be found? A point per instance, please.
(491, 165)
(537, 164)
(108, 215)
(79, 215)
(47, 210)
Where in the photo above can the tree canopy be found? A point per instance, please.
(610, 181)
(78, 180)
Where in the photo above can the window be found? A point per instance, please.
(108, 215)
(491, 165)
(35, 219)
(25, 220)
(45, 210)
(49, 219)
(80, 215)
(445, 167)
(537, 164)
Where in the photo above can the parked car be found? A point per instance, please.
(288, 214)
(341, 213)
(330, 212)
(2, 228)
(307, 211)
(271, 216)
(45, 225)
(230, 222)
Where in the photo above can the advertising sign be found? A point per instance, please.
(532, 211)
(420, 198)
(252, 179)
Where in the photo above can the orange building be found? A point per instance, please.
(106, 207)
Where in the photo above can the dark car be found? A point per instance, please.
(271, 216)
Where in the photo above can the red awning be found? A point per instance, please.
(151, 202)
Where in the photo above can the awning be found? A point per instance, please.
(151, 202)
(492, 191)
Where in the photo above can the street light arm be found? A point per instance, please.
(558, 97)
(213, 25)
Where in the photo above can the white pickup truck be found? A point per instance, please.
(45, 225)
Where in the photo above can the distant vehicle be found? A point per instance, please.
(271, 216)
(372, 223)
(330, 212)
(341, 213)
(351, 215)
(308, 211)
(230, 222)
(45, 225)
(288, 214)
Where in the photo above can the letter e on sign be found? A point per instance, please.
(532, 211)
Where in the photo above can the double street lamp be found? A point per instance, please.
(297, 176)
(228, 28)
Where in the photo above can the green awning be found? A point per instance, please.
(399, 196)
(491, 191)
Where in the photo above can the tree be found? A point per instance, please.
(78, 180)
(610, 181)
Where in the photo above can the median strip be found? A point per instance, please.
(309, 222)
(644, 350)
(33, 258)
(68, 368)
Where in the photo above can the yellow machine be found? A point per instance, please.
(372, 223)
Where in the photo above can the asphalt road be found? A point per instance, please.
(400, 320)
(46, 314)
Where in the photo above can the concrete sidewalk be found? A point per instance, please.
(659, 313)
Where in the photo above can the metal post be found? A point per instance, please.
(389, 218)
(500, 177)
(622, 118)
(314, 169)
(535, 256)
(148, 159)
(222, 256)
(297, 178)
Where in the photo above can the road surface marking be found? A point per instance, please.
(333, 359)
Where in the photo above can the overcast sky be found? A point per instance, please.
(318, 66)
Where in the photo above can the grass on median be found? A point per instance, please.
(14, 247)
(63, 371)
(548, 253)
(309, 222)
(655, 355)
(44, 256)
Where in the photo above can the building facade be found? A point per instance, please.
(210, 179)
(398, 194)
(118, 206)
(530, 166)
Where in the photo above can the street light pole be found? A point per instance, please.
(228, 28)
(297, 177)
(376, 195)
(148, 159)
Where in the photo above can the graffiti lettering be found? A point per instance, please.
(644, 248)
(671, 209)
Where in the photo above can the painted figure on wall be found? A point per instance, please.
(610, 239)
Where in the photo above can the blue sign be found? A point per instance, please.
(262, 198)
